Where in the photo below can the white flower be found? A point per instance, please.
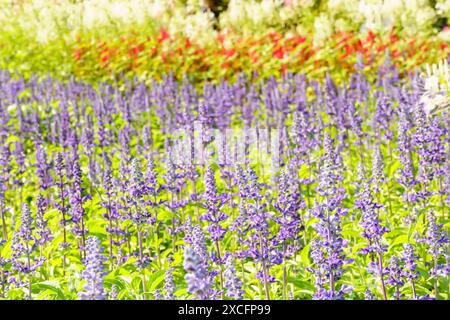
(436, 95)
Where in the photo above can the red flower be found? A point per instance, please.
(278, 53)
(370, 37)
(395, 53)
(348, 50)
(163, 35)
(187, 43)
(226, 64)
(274, 36)
(393, 38)
(228, 53)
(300, 40)
(153, 51)
(200, 52)
(254, 56)
(221, 38)
(77, 54)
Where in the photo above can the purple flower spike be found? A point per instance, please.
(94, 272)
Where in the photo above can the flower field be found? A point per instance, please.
(158, 165)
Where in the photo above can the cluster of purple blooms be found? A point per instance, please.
(93, 272)
(327, 249)
(358, 164)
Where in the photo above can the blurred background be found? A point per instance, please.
(207, 39)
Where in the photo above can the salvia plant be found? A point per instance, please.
(282, 188)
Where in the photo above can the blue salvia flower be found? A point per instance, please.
(410, 265)
(157, 294)
(383, 117)
(93, 272)
(404, 146)
(169, 286)
(198, 243)
(370, 222)
(327, 250)
(152, 177)
(446, 184)
(378, 177)
(3, 273)
(395, 278)
(42, 168)
(213, 201)
(137, 187)
(23, 245)
(5, 171)
(137, 190)
(147, 138)
(197, 275)
(232, 285)
(113, 293)
(62, 205)
(436, 239)
(112, 214)
(43, 232)
(372, 229)
(431, 151)
(20, 157)
(368, 295)
(288, 204)
(332, 96)
(262, 247)
(77, 200)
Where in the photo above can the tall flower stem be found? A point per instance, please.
(3, 282)
(330, 233)
(441, 197)
(388, 184)
(29, 270)
(144, 284)
(284, 273)
(242, 260)
(436, 281)
(141, 256)
(156, 233)
(220, 266)
(110, 240)
(83, 237)
(173, 222)
(5, 231)
(308, 186)
(413, 287)
(380, 270)
(63, 205)
(158, 250)
(264, 266)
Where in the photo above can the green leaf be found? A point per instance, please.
(155, 279)
(304, 255)
(49, 286)
(305, 286)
